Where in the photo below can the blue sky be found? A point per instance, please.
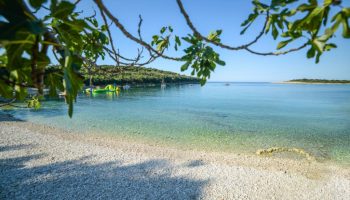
(227, 15)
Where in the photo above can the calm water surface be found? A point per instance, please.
(241, 117)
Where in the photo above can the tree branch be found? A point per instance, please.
(277, 53)
(128, 34)
(198, 34)
(10, 103)
(110, 37)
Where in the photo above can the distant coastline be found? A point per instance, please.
(314, 81)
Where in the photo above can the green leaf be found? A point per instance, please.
(220, 62)
(162, 45)
(274, 32)
(214, 36)
(155, 37)
(311, 53)
(177, 40)
(163, 30)
(54, 82)
(103, 28)
(283, 43)
(187, 39)
(5, 90)
(329, 46)
(94, 22)
(305, 7)
(268, 25)
(318, 55)
(250, 19)
(77, 25)
(36, 3)
(346, 29)
(63, 10)
(202, 81)
(185, 66)
(245, 29)
(72, 83)
(36, 27)
(327, 2)
(192, 73)
(260, 6)
(319, 45)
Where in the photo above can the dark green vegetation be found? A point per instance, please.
(106, 74)
(78, 41)
(304, 80)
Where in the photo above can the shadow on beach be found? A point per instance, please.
(6, 117)
(82, 179)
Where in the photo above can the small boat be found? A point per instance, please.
(126, 87)
(163, 84)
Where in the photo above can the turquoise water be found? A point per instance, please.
(241, 117)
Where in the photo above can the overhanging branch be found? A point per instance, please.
(225, 46)
(121, 27)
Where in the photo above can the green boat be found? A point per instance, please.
(108, 88)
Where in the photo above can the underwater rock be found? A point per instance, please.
(271, 150)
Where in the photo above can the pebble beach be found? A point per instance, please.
(42, 162)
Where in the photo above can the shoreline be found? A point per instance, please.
(172, 172)
(278, 152)
(309, 83)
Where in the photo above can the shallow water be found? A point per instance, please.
(241, 117)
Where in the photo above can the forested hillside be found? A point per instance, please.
(107, 74)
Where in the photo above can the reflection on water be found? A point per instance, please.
(240, 117)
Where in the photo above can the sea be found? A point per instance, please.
(222, 117)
